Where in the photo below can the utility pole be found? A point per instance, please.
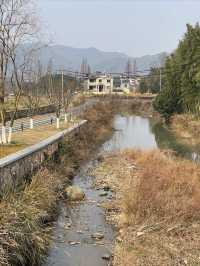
(160, 79)
(134, 68)
(62, 86)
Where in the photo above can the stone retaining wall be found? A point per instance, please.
(18, 167)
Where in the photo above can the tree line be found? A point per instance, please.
(181, 77)
(151, 83)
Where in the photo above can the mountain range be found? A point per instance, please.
(70, 58)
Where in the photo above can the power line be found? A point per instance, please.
(145, 72)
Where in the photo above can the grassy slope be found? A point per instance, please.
(156, 210)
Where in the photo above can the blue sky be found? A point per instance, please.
(135, 27)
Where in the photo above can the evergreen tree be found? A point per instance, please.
(181, 91)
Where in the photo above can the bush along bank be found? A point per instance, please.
(187, 128)
(156, 207)
(26, 217)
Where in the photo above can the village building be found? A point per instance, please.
(123, 84)
(99, 83)
(106, 83)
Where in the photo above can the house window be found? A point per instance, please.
(92, 87)
(100, 80)
(92, 80)
(108, 80)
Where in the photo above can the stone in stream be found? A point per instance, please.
(106, 188)
(106, 257)
(74, 193)
(103, 194)
(80, 232)
(73, 243)
(67, 226)
(97, 236)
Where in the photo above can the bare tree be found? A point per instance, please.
(17, 27)
(33, 91)
(69, 90)
(54, 91)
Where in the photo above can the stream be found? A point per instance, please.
(73, 243)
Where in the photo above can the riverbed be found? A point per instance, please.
(73, 243)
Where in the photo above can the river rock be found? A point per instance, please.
(97, 236)
(73, 243)
(103, 194)
(106, 188)
(67, 226)
(106, 257)
(74, 193)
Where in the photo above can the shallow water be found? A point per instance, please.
(144, 133)
(87, 217)
(131, 132)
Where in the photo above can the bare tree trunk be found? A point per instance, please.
(4, 139)
(31, 123)
(66, 115)
(57, 122)
(71, 117)
(10, 135)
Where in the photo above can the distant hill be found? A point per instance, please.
(71, 58)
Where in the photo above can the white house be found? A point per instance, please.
(106, 83)
(99, 83)
(125, 84)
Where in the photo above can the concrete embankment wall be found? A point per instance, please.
(18, 167)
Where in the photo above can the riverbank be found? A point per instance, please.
(26, 217)
(155, 208)
(187, 127)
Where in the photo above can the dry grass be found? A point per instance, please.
(142, 106)
(79, 99)
(24, 237)
(10, 104)
(187, 127)
(100, 119)
(26, 217)
(159, 208)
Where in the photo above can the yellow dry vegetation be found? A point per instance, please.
(156, 208)
(187, 127)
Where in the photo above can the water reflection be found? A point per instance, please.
(131, 132)
(144, 133)
(165, 139)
